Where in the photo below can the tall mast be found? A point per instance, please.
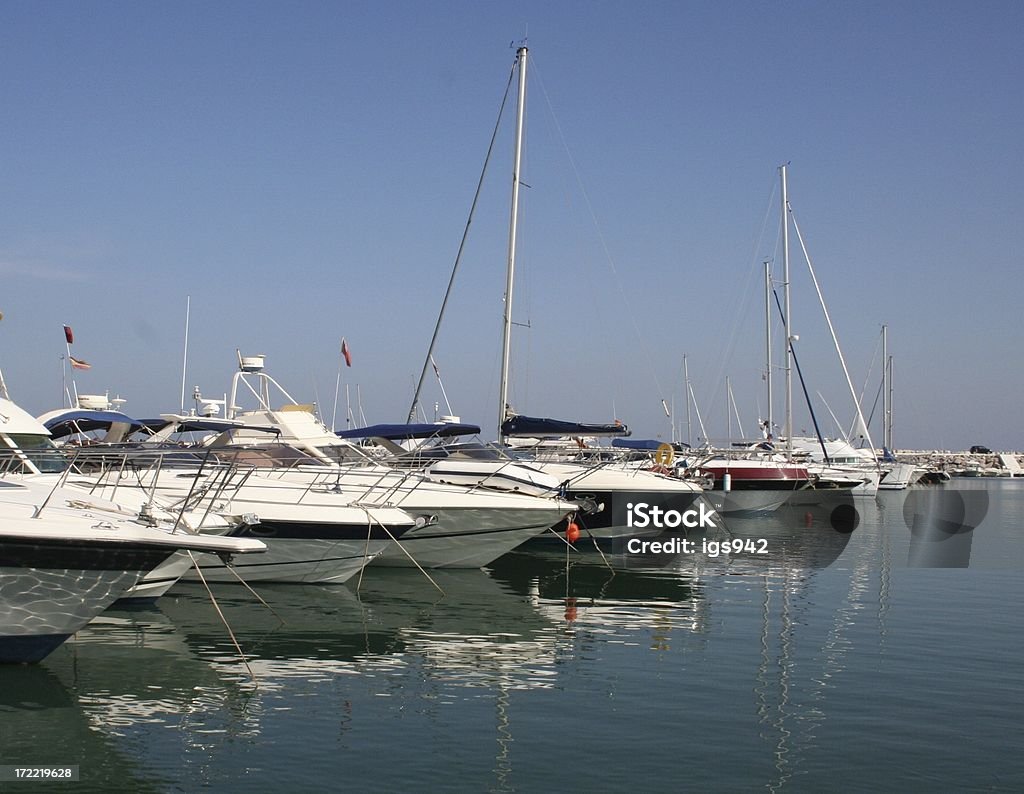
(506, 339)
(768, 342)
(890, 403)
(886, 391)
(686, 386)
(788, 313)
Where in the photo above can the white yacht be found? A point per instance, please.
(450, 524)
(313, 536)
(600, 479)
(65, 557)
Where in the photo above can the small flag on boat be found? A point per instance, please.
(68, 335)
(346, 352)
(78, 363)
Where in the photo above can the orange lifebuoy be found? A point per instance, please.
(664, 455)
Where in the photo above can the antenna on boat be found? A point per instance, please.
(184, 360)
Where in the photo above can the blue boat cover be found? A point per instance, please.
(397, 432)
(201, 424)
(531, 426)
(82, 421)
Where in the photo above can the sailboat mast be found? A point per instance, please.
(768, 343)
(506, 339)
(885, 387)
(788, 313)
(890, 404)
(686, 386)
(886, 435)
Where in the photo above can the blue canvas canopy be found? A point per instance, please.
(397, 432)
(82, 421)
(200, 424)
(534, 427)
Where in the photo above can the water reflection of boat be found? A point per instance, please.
(798, 534)
(480, 633)
(132, 667)
(609, 593)
(36, 702)
(477, 631)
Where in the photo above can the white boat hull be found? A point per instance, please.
(40, 608)
(470, 538)
(313, 561)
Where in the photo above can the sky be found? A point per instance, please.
(298, 173)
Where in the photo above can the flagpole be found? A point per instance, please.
(74, 383)
(337, 388)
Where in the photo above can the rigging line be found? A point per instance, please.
(753, 278)
(220, 614)
(832, 330)
(874, 405)
(601, 238)
(864, 388)
(803, 383)
(462, 245)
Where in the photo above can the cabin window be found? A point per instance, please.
(38, 449)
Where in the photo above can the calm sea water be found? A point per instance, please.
(889, 657)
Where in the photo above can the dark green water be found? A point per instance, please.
(889, 658)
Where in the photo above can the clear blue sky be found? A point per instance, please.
(304, 171)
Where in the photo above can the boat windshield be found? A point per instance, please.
(24, 448)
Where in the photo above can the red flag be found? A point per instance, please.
(68, 335)
(346, 352)
(78, 363)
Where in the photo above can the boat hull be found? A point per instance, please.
(751, 487)
(605, 517)
(294, 560)
(470, 537)
(50, 590)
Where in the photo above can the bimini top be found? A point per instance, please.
(75, 420)
(533, 427)
(400, 432)
(200, 424)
